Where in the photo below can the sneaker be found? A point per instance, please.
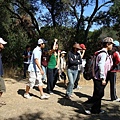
(68, 97)
(117, 100)
(24, 77)
(102, 112)
(44, 97)
(88, 112)
(86, 109)
(27, 96)
(51, 93)
(56, 86)
(78, 87)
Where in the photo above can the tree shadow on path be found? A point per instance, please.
(80, 95)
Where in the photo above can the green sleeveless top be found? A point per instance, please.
(53, 61)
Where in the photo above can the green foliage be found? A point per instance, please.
(96, 37)
(115, 16)
(63, 34)
(65, 20)
(17, 40)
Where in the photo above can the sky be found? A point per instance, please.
(88, 11)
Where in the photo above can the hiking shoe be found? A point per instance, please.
(27, 96)
(44, 97)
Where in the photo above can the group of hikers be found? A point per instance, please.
(50, 65)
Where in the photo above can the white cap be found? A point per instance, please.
(63, 52)
(2, 41)
(40, 41)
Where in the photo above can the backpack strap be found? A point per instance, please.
(98, 52)
(94, 64)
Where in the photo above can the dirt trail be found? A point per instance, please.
(57, 107)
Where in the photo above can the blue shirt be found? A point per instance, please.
(37, 53)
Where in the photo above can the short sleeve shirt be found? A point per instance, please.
(37, 53)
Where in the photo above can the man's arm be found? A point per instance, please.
(38, 65)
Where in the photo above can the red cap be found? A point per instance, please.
(83, 46)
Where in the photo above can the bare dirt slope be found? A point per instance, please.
(57, 107)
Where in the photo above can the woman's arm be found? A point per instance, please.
(83, 52)
(72, 60)
(55, 41)
(50, 52)
(58, 60)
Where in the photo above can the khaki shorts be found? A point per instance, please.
(35, 79)
(2, 85)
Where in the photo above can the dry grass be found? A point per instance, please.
(17, 75)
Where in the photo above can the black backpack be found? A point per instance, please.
(89, 72)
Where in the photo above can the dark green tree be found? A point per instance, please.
(114, 13)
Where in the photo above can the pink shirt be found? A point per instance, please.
(103, 64)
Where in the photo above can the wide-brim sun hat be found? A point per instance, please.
(116, 43)
(76, 45)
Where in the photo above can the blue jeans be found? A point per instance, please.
(72, 75)
(44, 77)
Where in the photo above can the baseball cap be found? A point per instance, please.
(108, 39)
(40, 41)
(63, 52)
(83, 46)
(116, 43)
(2, 41)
